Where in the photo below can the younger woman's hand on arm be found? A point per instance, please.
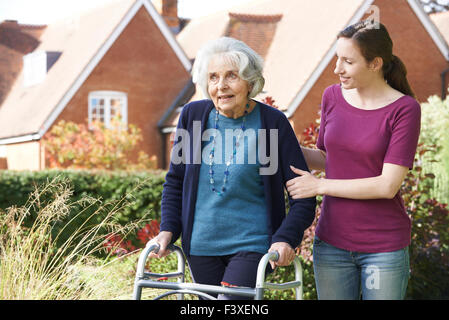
(306, 185)
(384, 186)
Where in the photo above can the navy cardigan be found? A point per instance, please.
(181, 182)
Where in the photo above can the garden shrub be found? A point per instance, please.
(34, 266)
(141, 191)
(72, 145)
(429, 248)
(435, 135)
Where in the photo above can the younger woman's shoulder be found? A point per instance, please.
(331, 91)
(330, 97)
(406, 108)
(410, 104)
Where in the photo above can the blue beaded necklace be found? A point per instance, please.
(222, 190)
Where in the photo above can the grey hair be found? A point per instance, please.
(249, 63)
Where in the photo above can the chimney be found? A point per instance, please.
(168, 9)
(11, 24)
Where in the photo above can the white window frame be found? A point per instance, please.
(107, 96)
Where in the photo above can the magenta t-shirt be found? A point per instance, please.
(357, 143)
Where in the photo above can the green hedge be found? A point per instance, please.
(137, 194)
(143, 190)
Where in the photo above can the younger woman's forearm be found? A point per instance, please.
(384, 186)
(360, 189)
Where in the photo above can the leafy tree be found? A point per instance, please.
(72, 145)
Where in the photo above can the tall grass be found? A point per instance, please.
(33, 265)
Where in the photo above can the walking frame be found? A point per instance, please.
(149, 280)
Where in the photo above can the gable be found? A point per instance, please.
(304, 40)
(404, 19)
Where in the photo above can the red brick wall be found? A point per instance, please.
(307, 112)
(257, 31)
(412, 44)
(3, 163)
(142, 64)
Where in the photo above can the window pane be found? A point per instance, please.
(116, 108)
(98, 110)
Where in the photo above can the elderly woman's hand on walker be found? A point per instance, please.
(286, 254)
(163, 239)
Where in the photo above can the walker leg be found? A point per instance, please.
(149, 247)
(137, 292)
(182, 269)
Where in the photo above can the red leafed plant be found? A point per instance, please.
(115, 244)
(148, 232)
(308, 139)
(310, 135)
(270, 101)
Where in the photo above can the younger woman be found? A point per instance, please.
(368, 135)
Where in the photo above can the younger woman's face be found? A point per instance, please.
(352, 68)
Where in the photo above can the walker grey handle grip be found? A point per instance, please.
(155, 246)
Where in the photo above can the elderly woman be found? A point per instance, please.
(227, 203)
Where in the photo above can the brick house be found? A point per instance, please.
(122, 57)
(131, 58)
(297, 40)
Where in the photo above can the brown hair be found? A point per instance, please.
(374, 41)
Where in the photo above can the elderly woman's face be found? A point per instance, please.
(228, 91)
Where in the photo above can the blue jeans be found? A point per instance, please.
(350, 275)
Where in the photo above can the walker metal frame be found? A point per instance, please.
(146, 279)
